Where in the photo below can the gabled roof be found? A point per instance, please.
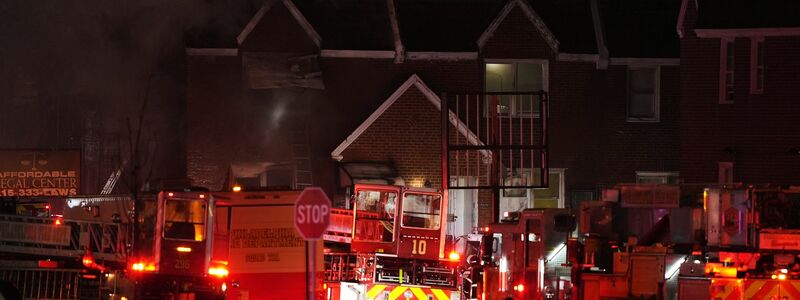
(529, 13)
(413, 81)
(312, 34)
(739, 14)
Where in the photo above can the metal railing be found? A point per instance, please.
(44, 283)
(63, 238)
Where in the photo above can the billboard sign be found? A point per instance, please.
(28, 173)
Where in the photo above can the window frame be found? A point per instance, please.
(403, 211)
(724, 70)
(755, 66)
(529, 195)
(657, 174)
(656, 95)
(513, 111)
(725, 172)
(204, 224)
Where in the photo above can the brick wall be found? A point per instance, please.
(758, 131)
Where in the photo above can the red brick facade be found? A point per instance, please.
(589, 135)
(757, 132)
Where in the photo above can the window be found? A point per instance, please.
(725, 172)
(643, 90)
(726, 66)
(375, 213)
(185, 219)
(757, 65)
(513, 200)
(422, 210)
(528, 76)
(657, 177)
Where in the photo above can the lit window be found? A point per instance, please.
(516, 77)
(757, 65)
(727, 67)
(185, 219)
(643, 100)
(513, 200)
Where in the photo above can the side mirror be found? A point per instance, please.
(565, 223)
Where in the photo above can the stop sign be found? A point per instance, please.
(312, 213)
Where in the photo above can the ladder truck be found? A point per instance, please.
(89, 251)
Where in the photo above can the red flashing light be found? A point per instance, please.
(47, 207)
(170, 194)
(58, 221)
(88, 261)
(454, 256)
(519, 288)
(47, 264)
(202, 196)
(218, 271)
(142, 267)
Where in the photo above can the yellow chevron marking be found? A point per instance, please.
(440, 295)
(375, 290)
(397, 292)
(419, 293)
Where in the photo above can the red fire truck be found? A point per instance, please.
(266, 256)
(753, 246)
(174, 259)
(390, 243)
(524, 257)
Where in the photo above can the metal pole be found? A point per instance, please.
(312, 282)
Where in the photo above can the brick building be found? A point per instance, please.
(740, 68)
(365, 78)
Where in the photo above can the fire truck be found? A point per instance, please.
(267, 258)
(89, 251)
(752, 249)
(523, 257)
(390, 244)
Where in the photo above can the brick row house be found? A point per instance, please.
(361, 83)
(740, 70)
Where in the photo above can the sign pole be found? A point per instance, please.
(313, 270)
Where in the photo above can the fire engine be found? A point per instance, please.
(86, 253)
(752, 249)
(523, 256)
(389, 244)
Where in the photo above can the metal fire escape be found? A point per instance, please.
(301, 153)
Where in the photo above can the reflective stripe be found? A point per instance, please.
(762, 291)
(790, 289)
(397, 292)
(440, 295)
(419, 293)
(375, 290)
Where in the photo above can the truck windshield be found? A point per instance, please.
(375, 211)
(185, 219)
(421, 210)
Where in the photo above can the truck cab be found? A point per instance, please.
(397, 220)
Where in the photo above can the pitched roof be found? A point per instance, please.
(298, 16)
(413, 81)
(532, 16)
(735, 14)
(635, 28)
(445, 25)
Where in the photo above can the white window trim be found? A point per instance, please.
(665, 175)
(723, 166)
(656, 96)
(754, 41)
(723, 70)
(545, 80)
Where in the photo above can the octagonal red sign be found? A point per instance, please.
(312, 213)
